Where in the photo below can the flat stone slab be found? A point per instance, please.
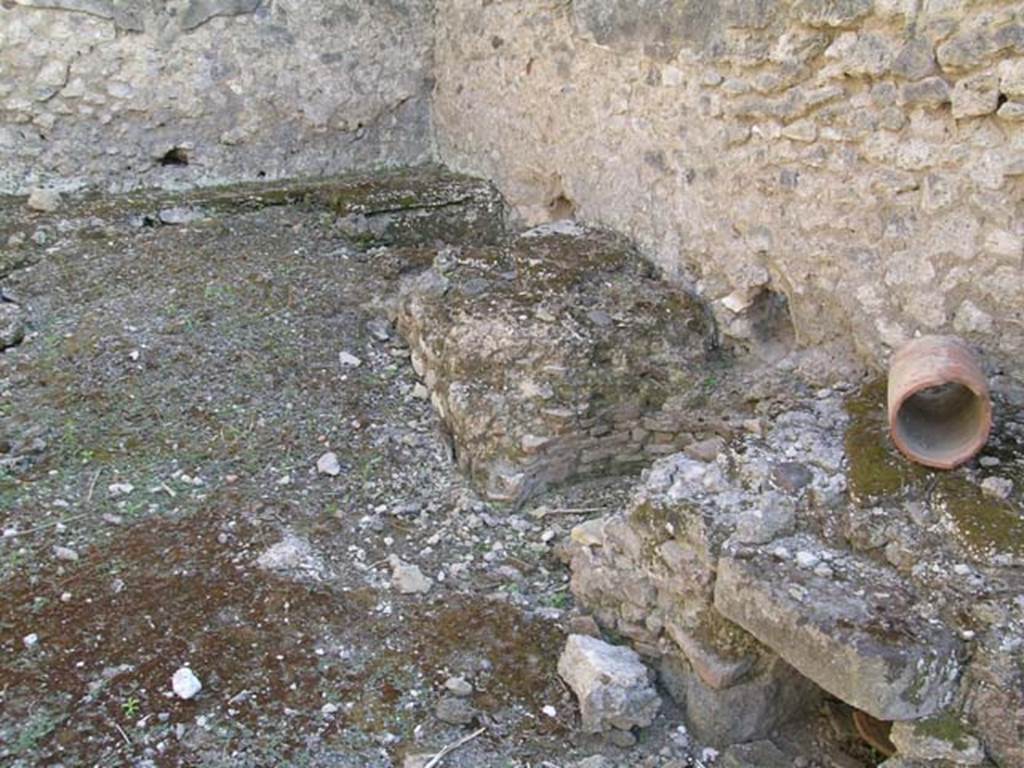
(556, 354)
(850, 625)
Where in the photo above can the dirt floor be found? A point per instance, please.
(160, 429)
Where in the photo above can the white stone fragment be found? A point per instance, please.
(44, 200)
(66, 554)
(807, 559)
(408, 579)
(185, 684)
(997, 487)
(328, 464)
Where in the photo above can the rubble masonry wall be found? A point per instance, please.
(862, 158)
(116, 95)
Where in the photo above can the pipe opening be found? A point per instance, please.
(940, 424)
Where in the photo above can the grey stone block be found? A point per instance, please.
(857, 633)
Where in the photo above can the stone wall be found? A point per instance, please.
(146, 93)
(861, 160)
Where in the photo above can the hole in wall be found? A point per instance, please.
(175, 156)
(561, 207)
(771, 325)
(762, 327)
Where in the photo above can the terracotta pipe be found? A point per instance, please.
(940, 414)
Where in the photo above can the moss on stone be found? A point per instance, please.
(985, 526)
(876, 470)
(947, 728)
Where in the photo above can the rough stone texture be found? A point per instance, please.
(12, 324)
(894, 588)
(294, 557)
(649, 575)
(853, 630)
(753, 708)
(611, 684)
(758, 754)
(555, 355)
(805, 150)
(121, 94)
(944, 739)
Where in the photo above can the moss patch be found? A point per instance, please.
(946, 728)
(984, 526)
(876, 469)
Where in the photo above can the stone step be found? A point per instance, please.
(852, 626)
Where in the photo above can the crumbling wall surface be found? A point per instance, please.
(123, 94)
(861, 158)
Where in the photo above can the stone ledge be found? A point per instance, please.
(856, 630)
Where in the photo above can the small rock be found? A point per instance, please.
(824, 571)
(420, 392)
(550, 711)
(792, 476)
(293, 556)
(975, 96)
(379, 328)
(328, 464)
(454, 711)
(754, 427)
(349, 360)
(997, 487)
(705, 450)
(44, 200)
(806, 560)
(408, 579)
(120, 489)
(459, 686)
(179, 215)
(66, 554)
(185, 684)
(30, 641)
(328, 709)
(12, 325)
(611, 684)
(989, 461)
